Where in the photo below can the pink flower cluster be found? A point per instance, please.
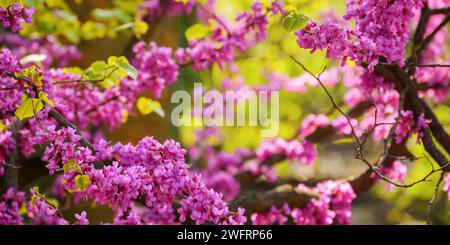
(225, 39)
(64, 145)
(332, 206)
(274, 216)
(329, 35)
(381, 31)
(38, 210)
(222, 182)
(294, 150)
(42, 213)
(10, 203)
(11, 91)
(219, 167)
(396, 173)
(207, 205)
(6, 146)
(92, 105)
(81, 219)
(447, 185)
(56, 54)
(14, 15)
(152, 9)
(407, 126)
(311, 123)
(342, 125)
(158, 174)
(156, 67)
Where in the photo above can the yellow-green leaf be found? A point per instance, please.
(92, 30)
(29, 108)
(140, 28)
(147, 106)
(123, 64)
(33, 199)
(7, 3)
(294, 21)
(71, 165)
(44, 97)
(99, 66)
(82, 182)
(291, 9)
(197, 31)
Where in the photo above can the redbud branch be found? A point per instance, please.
(359, 151)
(434, 197)
(430, 65)
(440, 11)
(258, 202)
(65, 123)
(335, 105)
(430, 37)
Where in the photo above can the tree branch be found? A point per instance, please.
(258, 202)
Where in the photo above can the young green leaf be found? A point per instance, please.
(99, 66)
(71, 165)
(140, 28)
(43, 96)
(294, 21)
(197, 31)
(147, 106)
(82, 181)
(92, 30)
(7, 3)
(123, 64)
(29, 108)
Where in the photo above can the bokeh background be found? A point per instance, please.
(336, 160)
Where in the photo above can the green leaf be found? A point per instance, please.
(123, 64)
(36, 195)
(33, 199)
(36, 78)
(99, 66)
(29, 108)
(53, 202)
(147, 106)
(7, 3)
(92, 30)
(197, 31)
(82, 182)
(140, 28)
(71, 165)
(98, 70)
(43, 96)
(111, 81)
(127, 68)
(32, 73)
(290, 9)
(294, 21)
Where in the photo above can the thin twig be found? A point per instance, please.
(433, 198)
